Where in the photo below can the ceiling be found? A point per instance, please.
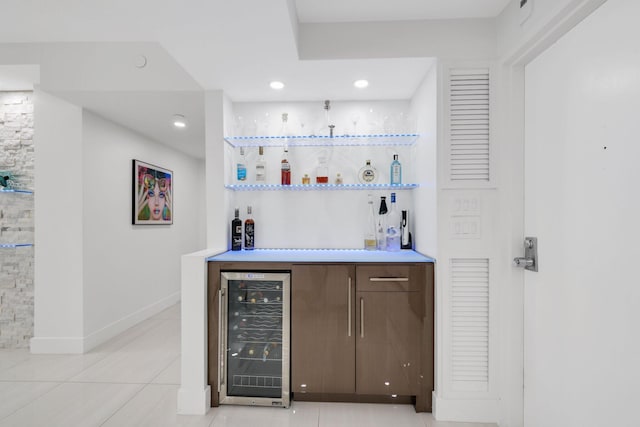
(91, 53)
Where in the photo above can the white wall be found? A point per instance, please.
(58, 319)
(130, 271)
(424, 107)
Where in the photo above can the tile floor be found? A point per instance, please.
(132, 380)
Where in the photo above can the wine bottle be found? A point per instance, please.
(395, 173)
(236, 232)
(249, 230)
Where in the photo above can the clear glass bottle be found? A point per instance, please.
(393, 226)
(381, 228)
(285, 168)
(368, 174)
(236, 232)
(395, 173)
(249, 231)
(339, 179)
(241, 167)
(322, 171)
(370, 239)
(306, 179)
(261, 167)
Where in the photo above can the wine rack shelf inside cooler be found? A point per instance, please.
(323, 140)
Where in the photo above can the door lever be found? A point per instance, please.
(530, 259)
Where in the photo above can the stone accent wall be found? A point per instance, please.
(16, 219)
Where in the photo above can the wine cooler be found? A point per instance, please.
(254, 338)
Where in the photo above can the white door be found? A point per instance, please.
(582, 202)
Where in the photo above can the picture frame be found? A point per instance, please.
(152, 194)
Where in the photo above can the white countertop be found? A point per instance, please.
(320, 255)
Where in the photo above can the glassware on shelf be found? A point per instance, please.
(367, 174)
(322, 171)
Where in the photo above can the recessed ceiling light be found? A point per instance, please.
(361, 84)
(179, 121)
(276, 85)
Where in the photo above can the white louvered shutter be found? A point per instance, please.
(469, 154)
(470, 323)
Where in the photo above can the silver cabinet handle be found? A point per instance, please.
(349, 309)
(361, 317)
(388, 279)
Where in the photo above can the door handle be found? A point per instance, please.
(361, 317)
(530, 259)
(349, 309)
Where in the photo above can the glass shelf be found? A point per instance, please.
(313, 187)
(12, 190)
(321, 141)
(14, 245)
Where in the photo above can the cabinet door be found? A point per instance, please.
(323, 329)
(388, 343)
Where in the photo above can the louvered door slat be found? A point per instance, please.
(470, 321)
(469, 129)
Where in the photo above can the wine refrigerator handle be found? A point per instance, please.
(221, 340)
(349, 308)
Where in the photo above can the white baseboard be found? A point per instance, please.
(67, 345)
(466, 410)
(194, 401)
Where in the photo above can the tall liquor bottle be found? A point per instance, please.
(370, 241)
(249, 231)
(236, 232)
(393, 227)
(261, 167)
(241, 167)
(395, 173)
(382, 224)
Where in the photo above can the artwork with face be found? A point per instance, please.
(152, 194)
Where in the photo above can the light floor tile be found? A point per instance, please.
(171, 375)
(15, 395)
(370, 415)
(156, 406)
(73, 404)
(10, 358)
(431, 422)
(300, 414)
(47, 367)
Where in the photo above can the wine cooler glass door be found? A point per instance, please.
(256, 338)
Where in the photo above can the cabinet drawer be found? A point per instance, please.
(389, 278)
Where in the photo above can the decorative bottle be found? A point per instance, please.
(236, 232)
(381, 229)
(285, 168)
(395, 173)
(322, 171)
(393, 226)
(241, 167)
(367, 174)
(249, 231)
(370, 240)
(261, 167)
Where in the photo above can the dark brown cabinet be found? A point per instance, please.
(323, 329)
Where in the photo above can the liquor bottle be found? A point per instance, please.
(393, 226)
(368, 174)
(322, 171)
(241, 167)
(285, 168)
(249, 231)
(261, 167)
(395, 173)
(370, 240)
(404, 230)
(236, 232)
(306, 179)
(381, 230)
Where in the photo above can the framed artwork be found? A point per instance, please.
(152, 194)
